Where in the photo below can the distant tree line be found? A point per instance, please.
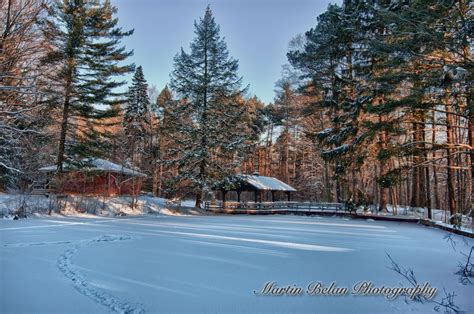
(391, 100)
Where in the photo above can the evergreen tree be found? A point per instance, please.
(285, 111)
(163, 109)
(325, 64)
(136, 119)
(161, 136)
(209, 114)
(255, 118)
(84, 40)
(166, 133)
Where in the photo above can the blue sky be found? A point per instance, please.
(257, 33)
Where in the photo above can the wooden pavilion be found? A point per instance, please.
(256, 184)
(95, 176)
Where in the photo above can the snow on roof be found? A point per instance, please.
(96, 164)
(267, 183)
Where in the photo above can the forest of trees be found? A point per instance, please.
(390, 87)
(375, 104)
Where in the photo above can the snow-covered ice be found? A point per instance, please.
(214, 263)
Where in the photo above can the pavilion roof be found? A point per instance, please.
(247, 182)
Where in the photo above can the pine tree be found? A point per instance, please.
(255, 120)
(324, 62)
(209, 114)
(137, 106)
(162, 135)
(137, 119)
(285, 112)
(85, 51)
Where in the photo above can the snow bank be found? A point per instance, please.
(21, 205)
(439, 216)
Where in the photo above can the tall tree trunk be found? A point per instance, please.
(459, 173)
(394, 200)
(262, 151)
(449, 156)
(65, 116)
(269, 153)
(353, 188)
(155, 184)
(465, 12)
(327, 183)
(383, 171)
(204, 141)
(284, 166)
(415, 181)
(433, 156)
(428, 193)
(418, 196)
(471, 150)
(338, 190)
(200, 190)
(295, 161)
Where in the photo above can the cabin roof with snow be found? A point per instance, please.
(95, 164)
(254, 182)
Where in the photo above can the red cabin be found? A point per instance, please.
(94, 176)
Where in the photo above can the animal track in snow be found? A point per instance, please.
(84, 286)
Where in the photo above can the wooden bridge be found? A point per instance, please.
(274, 207)
(298, 208)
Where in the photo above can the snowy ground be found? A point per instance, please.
(214, 263)
(437, 214)
(86, 206)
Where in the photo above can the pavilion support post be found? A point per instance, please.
(223, 196)
(255, 193)
(238, 196)
(273, 196)
(289, 196)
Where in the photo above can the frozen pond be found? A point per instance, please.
(215, 263)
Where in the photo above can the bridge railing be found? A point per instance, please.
(291, 206)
